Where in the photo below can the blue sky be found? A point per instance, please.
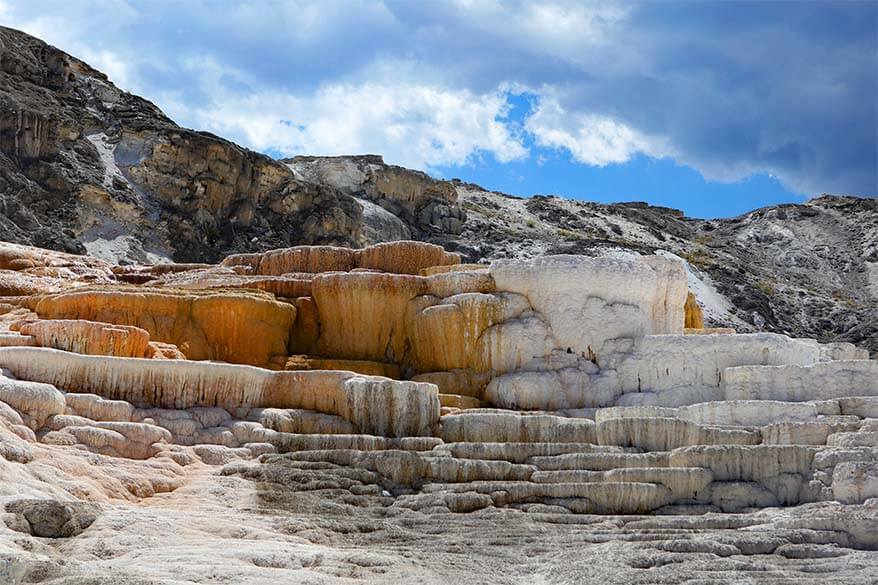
(715, 108)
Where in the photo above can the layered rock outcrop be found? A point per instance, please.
(373, 405)
(92, 168)
(393, 392)
(396, 200)
(88, 337)
(565, 382)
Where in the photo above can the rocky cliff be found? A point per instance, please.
(86, 167)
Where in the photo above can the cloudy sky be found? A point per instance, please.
(715, 108)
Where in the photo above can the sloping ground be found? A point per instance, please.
(88, 167)
(220, 529)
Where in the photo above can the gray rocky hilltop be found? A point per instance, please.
(88, 168)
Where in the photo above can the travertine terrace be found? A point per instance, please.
(393, 386)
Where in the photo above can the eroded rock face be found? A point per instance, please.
(694, 318)
(575, 294)
(424, 400)
(96, 169)
(88, 337)
(90, 168)
(424, 204)
(374, 405)
(798, 383)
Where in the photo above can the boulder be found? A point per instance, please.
(53, 519)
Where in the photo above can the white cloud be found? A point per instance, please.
(110, 63)
(556, 27)
(411, 124)
(591, 139)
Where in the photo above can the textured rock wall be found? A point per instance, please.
(88, 337)
(363, 316)
(405, 257)
(89, 167)
(645, 423)
(424, 204)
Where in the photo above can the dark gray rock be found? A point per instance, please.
(83, 164)
(51, 518)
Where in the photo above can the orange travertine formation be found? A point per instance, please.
(694, 317)
(88, 337)
(404, 257)
(247, 327)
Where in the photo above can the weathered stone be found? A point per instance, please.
(54, 519)
(363, 401)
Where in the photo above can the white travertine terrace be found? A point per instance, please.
(372, 404)
(565, 382)
(587, 302)
(801, 382)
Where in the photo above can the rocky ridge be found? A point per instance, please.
(86, 167)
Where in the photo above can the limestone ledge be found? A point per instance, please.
(242, 327)
(605, 403)
(631, 460)
(655, 370)
(373, 405)
(87, 337)
(799, 383)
